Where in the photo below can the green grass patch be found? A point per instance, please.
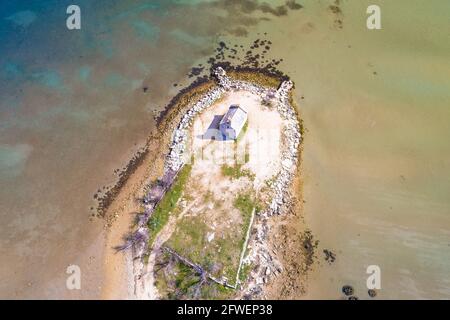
(220, 256)
(236, 172)
(185, 278)
(168, 203)
(178, 284)
(215, 291)
(189, 238)
(245, 204)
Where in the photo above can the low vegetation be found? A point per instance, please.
(245, 203)
(236, 172)
(219, 255)
(168, 203)
(177, 281)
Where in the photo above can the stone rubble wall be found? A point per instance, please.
(176, 157)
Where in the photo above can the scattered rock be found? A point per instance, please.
(347, 290)
(372, 293)
(330, 257)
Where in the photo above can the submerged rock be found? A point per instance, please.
(372, 293)
(347, 290)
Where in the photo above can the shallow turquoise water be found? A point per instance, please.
(71, 111)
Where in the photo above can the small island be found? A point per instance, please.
(232, 156)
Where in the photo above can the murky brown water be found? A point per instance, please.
(376, 157)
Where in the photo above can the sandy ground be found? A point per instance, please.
(261, 140)
(119, 283)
